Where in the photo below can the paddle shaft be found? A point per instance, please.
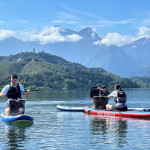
(24, 91)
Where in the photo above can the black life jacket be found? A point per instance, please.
(121, 97)
(14, 92)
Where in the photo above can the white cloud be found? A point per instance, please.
(60, 34)
(73, 38)
(110, 22)
(143, 32)
(97, 42)
(51, 35)
(76, 11)
(66, 18)
(117, 39)
(6, 33)
(98, 20)
(58, 21)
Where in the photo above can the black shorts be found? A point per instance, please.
(122, 109)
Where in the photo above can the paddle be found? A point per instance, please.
(33, 90)
(101, 96)
(25, 91)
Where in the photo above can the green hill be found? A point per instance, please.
(46, 70)
(144, 82)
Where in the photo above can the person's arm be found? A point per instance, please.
(99, 88)
(109, 96)
(113, 94)
(23, 91)
(2, 94)
(4, 90)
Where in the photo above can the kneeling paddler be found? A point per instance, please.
(14, 91)
(120, 99)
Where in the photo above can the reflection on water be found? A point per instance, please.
(14, 136)
(108, 130)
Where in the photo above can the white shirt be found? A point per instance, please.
(118, 105)
(6, 88)
(113, 94)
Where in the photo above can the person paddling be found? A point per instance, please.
(120, 99)
(103, 91)
(100, 102)
(14, 91)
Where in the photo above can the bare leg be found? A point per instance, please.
(109, 107)
(7, 111)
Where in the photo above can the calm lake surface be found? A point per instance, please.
(56, 130)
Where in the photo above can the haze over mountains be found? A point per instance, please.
(86, 47)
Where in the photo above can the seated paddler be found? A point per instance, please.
(120, 99)
(14, 91)
(99, 102)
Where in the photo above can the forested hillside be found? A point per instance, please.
(50, 71)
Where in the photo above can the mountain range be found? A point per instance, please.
(127, 60)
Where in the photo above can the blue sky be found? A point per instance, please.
(123, 17)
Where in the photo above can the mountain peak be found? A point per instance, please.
(90, 33)
(65, 30)
(141, 41)
(86, 29)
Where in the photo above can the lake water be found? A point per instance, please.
(56, 130)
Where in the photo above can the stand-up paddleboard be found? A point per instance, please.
(17, 115)
(67, 108)
(18, 120)
(132, 112)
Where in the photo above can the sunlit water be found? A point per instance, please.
(53, 129)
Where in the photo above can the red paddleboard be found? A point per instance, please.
(140, 113)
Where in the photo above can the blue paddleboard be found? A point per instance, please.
(17, 120)
(67, 108)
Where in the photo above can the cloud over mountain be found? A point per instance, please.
(58, 34)
(143, 32)
(119, 40)
(51, 35)
(6, 33)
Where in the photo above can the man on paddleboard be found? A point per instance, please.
(103, 90)
(14, 91)
(120, 99)
(100, 102)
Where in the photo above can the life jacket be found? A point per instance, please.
(14, 92)
(121, 97)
